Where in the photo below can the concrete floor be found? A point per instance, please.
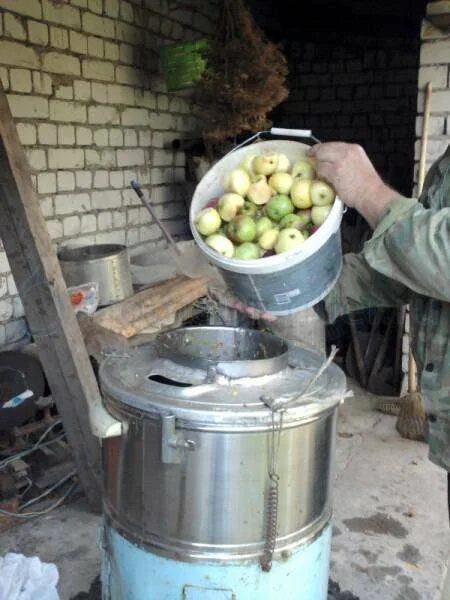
(391, 534)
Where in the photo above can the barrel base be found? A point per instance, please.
(129, 572)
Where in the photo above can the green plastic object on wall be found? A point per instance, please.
(183, 63)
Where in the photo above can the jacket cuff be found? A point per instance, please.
(393, 211)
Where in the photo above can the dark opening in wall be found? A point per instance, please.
(353, 74)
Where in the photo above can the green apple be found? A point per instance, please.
(322, 194)
(246, 163)
(288, 239)
(291, 221)
(278, 207)
(283, 164)
(220, 244)
(237, 181)
(265, 164)
(228, 205)
(242, 229)
(248, 208)
(263, 224)
(320, 213)
(208, 221)
(268, 239)
(247, 251)
(301, 193)
(281, 182)
(259, 191)
(303, 169)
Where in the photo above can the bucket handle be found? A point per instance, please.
(278, 132)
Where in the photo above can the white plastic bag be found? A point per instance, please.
(27, 578)
(84, 297)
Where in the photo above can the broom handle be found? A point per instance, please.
(412, 368)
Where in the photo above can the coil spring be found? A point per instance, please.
(271, 523)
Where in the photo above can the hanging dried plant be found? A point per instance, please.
(244, 79)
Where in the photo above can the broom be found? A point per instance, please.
(412, 421)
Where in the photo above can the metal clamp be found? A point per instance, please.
(172, 443)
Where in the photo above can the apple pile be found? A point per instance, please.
(267, 207)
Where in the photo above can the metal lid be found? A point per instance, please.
(212, 377)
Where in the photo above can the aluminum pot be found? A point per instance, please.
(205, 411)
(106, 264)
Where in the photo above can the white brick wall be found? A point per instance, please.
(91, 118)
(434, 67)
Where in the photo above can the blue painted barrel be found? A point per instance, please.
(130, 572)
(284, 283)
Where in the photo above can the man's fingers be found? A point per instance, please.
(326, 170)
(330, 151)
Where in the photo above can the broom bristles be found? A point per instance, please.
(412, 421)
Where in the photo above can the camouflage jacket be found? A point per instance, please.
(407, 260)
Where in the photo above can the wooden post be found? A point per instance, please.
(50, 316)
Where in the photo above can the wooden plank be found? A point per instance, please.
(50, 316)
(148, 307)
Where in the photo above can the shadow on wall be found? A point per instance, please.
(353, 77)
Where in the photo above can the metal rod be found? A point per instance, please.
(136, 187)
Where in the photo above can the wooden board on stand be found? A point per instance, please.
(50, 316)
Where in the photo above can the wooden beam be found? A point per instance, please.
(50, 316)
(150, 306)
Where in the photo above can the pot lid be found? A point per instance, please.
(222, 376)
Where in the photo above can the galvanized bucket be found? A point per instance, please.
(284, 283)
(107, 264)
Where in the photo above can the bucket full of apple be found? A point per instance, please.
(262, 216)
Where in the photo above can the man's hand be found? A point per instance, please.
(349, 170)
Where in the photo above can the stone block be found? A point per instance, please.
(102, 115)
(78, 42)
(65, 158)
(101, 26)
(101, 137)
(83, 179)
(59, 38)
(82, 90)
(106, 199)
(61, 13)
(27, 133)
(65, 204)
(435, 52)
(42, 83)
(88, 223)
(14, 27)
(58, 62)
(98, 69)
(20, 80)
(115, 137)
(66, 181)
(46, 183)
(18, 55)
(71, 225)
(32, 107)
(61, 110)
(135, 116)
(121, 94)
(128, 158)
(96, 47)
(111, 51)
(28, 8)
(47, 134)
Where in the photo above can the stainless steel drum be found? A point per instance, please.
(207, 411)
(107, 264)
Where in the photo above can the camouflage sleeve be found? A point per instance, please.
(411, 246)
(360, 286)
